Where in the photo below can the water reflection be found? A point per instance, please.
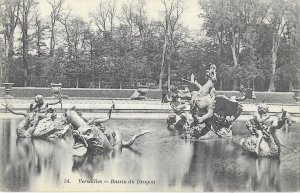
(33, 158)
(21, 164)
(212, 166)
(175, 164)
(89, 164)
(200, 174)
(263, 173)
(24, 161)
(222, 166)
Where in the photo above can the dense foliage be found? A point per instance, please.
(252, 42)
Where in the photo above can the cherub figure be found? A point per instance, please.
(257, 125)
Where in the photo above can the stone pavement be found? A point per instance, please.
(132, 109)
(133, 106)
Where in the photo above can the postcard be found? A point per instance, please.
(149, 96)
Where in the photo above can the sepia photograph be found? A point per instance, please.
(149, 95)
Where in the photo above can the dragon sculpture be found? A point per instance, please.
(212, 115)
(92, 135)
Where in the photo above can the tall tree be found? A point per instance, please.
(39, 34)
(26, 8)
(232, 23)
(127, 16)
(64, 19)
(279, 18)
(77, 29)
(100, 16)
(288, 61)
(112, 10)
(9, 17)
(56, 7)
(172, 11)
(105, 14)
(9, 13)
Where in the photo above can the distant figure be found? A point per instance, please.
(139, 94)
(165, 90)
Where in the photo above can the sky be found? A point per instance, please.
(82, 8)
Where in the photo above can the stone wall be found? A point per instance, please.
(267, 97)
(79, 92)
(24, 92)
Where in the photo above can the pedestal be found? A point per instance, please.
(297, 95)
(56, 89)
(8, 89)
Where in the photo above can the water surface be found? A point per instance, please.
(159, 161)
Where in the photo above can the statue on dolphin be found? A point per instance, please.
(264, 141)
(40, 121)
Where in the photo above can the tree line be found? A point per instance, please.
(252, 42)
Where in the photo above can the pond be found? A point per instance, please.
(159, 161)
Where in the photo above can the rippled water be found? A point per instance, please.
(160, 159)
